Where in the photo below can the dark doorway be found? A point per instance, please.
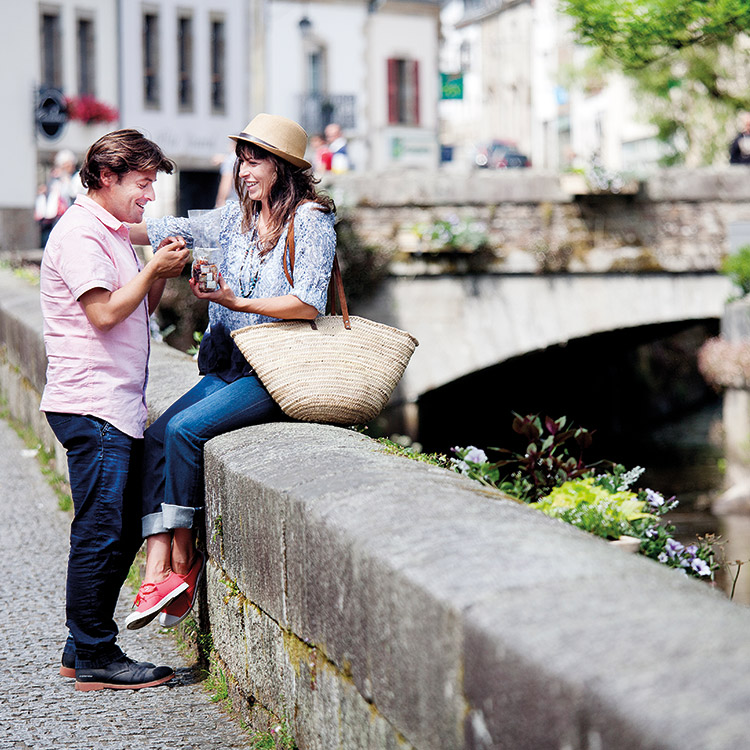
(197, 189)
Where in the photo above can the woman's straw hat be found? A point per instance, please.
(279, 135)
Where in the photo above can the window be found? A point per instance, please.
(151, 60)
(86, 78)
(465, 56)
(218, 66)
(316, 71)
(185, 63)
(51, 50)
(403, 92)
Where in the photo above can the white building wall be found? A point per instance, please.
(358, 41)
(103, 13)
(527, 96)
(507, 48)
(338, 27)
(191, 138)
(460, 52)
(391, 34)
(19, 54)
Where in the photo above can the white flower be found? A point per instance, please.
(475, 455)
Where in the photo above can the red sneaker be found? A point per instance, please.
(153, 597)
(179, 609)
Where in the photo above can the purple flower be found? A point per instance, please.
(673, 548)
(700, 567)
(654, 499)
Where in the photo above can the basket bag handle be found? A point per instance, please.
(336, 287)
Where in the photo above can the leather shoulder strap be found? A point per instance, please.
(336, 284)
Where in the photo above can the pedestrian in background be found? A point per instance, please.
(96, 299)
(58, 194)
(739, 150)
(338, 147)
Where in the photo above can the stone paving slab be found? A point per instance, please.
(41, 710)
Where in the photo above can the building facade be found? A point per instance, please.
(523, 84)
(370, 66)
(190, 72)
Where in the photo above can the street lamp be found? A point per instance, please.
(305, 24)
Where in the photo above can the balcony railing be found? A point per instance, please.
(318, 110)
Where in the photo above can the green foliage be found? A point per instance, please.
(197, 338)
(564, 486)
(452, 234)
(278, 737)
(217, 684)
(635, 33)
(737, 267)
(553, 455)
(413, 451)
(594, 508)
(689, 69)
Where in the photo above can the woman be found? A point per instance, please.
(275, 187)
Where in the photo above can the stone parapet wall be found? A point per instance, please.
(376, 602)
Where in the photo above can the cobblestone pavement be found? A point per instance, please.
(38, 708)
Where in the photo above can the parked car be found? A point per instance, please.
(500, 155)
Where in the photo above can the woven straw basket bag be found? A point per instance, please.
(336, 369)
(328, 373)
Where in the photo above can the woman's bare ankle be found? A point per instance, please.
(156, 575)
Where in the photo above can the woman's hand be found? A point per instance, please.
(286, 307)
(222, 296)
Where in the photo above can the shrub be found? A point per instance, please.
(737, 267)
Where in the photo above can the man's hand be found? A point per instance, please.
(170, 258)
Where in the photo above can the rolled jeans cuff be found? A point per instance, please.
(168, 518)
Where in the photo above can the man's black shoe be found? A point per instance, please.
(123, 674)
(68, 666)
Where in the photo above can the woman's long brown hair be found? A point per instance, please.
(292, 187)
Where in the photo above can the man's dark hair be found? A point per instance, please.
(120, 152)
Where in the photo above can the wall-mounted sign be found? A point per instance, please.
(451, 86)
(51, 112)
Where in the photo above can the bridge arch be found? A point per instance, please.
(468, 323)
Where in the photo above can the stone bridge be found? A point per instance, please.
(558, 262)
(465, 324)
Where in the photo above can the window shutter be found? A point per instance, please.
(414, 119)
(392, 91)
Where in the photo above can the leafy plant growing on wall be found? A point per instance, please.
(553, 477)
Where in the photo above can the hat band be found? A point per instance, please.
(259, 141)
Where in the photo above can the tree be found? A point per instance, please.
(689, 60)
(636, 33)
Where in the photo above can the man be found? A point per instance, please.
(96, 300)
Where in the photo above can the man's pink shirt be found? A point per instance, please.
(93, 372)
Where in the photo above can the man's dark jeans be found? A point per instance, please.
(104, 466)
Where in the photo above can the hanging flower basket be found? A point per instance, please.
(725, 364)
(90, 111)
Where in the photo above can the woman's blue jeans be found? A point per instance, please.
(104, 466)
(173, 485)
